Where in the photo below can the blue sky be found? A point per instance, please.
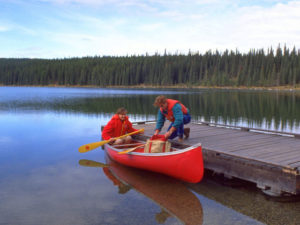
(79, 28)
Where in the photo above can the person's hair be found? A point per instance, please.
(121, 110)
(160, 100)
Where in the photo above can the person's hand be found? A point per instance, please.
(168, 134)
(112, 140)
(156, 132)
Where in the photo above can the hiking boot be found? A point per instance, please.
(186, 132)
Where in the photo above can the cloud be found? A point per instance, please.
(151, 27)
(3, 28)
(89, 2)
(115, 27)
(260, 26)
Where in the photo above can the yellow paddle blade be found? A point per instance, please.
(91, 146)
(91, 163)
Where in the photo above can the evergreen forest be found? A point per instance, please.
(271, 68)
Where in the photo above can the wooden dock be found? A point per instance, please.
(271, 160)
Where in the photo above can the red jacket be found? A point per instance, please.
(116, 128)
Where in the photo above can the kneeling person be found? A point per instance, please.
(176, 113)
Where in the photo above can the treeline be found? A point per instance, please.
(278, 67)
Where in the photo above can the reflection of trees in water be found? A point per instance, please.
(258, 108)
(278, 109)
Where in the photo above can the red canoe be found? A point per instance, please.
(183, 164)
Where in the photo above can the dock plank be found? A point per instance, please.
(263, 148)
(295, 164)
(257, 147)
(234, 141)
(269, 151)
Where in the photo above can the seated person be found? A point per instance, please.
(118, 125)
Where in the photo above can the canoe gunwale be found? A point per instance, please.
(176, 152)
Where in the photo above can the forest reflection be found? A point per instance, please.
(259, 108)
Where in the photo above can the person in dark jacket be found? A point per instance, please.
(176, 113)
(118, 126)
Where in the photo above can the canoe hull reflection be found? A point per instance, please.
(174, 198)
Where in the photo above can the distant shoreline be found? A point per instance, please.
(275, 88)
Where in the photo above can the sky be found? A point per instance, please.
(79, 28)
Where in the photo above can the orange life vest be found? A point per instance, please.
(171, 103)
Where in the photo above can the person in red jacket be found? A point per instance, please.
(118, 126)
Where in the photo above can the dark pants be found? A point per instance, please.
(179, 131)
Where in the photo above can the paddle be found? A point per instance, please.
(125, 145)
(130, 150)
(91, 163)
(91, 146)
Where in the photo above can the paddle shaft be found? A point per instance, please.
(91, 146)
(130, 150)
(125, 145)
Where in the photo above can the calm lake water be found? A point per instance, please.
(42, 179)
